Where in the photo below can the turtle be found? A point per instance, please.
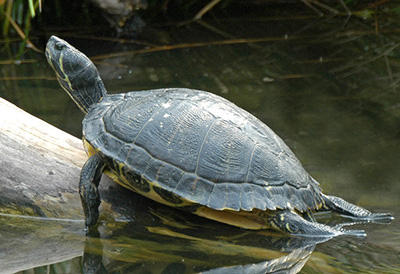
(195, 151)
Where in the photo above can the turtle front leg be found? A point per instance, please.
(88, 184)
(292, 223)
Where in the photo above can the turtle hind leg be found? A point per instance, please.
(292, 223)
(341, 206)
(88, 190)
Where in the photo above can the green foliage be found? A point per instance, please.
(17, 15)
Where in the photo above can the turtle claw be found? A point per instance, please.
(380, 218)
(86, 230)
(357, 233)
(376, 218)
(90, 231)
(91, 221)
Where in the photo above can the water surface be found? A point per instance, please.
(328, 86)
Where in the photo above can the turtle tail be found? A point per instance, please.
(356, 212)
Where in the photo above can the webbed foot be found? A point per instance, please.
(294, 224)
(356, 212)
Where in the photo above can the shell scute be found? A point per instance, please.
(226, 152)
(200, 147)
(225, 196)
(194, 188)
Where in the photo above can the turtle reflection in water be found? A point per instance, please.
(192, 150)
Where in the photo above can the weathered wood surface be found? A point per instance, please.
(40, 167)
(39, 172)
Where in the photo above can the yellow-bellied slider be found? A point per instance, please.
(192, 150)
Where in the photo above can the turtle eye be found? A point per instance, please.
(59, 46)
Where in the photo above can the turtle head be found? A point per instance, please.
(77, 75)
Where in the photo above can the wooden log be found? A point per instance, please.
(40, 167)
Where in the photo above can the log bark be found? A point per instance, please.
(40, 167)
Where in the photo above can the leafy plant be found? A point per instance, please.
(16, 16)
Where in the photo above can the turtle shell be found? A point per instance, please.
(193, 146)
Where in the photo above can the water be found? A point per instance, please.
(328, 86)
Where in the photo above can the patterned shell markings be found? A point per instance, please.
(202, 148)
